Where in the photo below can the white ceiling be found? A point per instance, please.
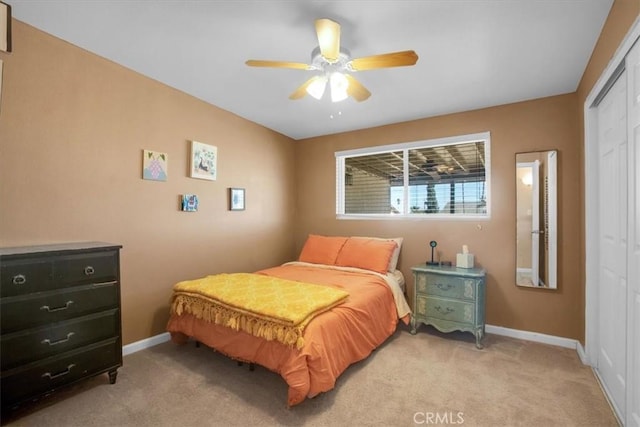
(473, 53)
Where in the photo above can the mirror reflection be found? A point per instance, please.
(536, 219)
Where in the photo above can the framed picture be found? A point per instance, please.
(236, 199)
(5, 27)
(204, 159)
(154, 165)
(189, 203)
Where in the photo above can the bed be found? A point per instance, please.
(334, 338)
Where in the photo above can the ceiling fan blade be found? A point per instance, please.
(356, 90)
(328, 32)
(301, 91)
(278, 64)
(386, 60)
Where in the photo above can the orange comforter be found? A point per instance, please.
(332, 341)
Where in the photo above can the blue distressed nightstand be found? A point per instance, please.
(450, 299)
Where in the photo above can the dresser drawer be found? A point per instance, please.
(87, 268)
(27, 311)
(33, 344)
(24, 276)
(21, 276)
(446, 286)
(445, 309)
(49, 374)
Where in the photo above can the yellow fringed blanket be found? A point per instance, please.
(264, 306)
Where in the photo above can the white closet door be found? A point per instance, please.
(633, 322)
(612, 239)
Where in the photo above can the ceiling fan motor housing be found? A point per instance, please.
(319, 62)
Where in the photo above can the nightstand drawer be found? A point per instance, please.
(446, 286)
(445, 309)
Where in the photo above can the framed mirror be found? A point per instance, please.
(537, 219)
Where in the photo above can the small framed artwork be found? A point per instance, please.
(154, 165)
(189, 202)
(236, 199)
(5, 27)
(204, 159)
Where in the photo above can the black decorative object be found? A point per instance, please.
(433, 245)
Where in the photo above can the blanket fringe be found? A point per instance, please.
(213, 313)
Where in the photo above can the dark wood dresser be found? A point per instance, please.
(59, 317)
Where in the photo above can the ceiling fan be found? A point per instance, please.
(334, 63)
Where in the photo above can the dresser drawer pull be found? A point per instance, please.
(51, 310)
(89, 270)
(444, 287)
(447, 310)
(59, 374)
(52, 343)
(19, 279)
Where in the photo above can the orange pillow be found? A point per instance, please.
(393, 262)
(369, 254)
(321, 249)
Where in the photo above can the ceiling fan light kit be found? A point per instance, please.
(317, 86)
(339, 85)
(335, 63)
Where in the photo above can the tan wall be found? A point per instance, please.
(72, 130)
(549, 123)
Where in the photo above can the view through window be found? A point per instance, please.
(437, 178)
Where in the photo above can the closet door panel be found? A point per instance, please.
(613, 241)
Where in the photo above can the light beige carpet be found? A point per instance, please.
(426, 379)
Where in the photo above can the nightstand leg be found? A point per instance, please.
(479, 335)
(413, 326)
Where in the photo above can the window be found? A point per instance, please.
(442, 178)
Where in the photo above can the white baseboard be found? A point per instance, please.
(145, 343)
(607, 395)
(535, 336)
(498, 330)
(581, 353)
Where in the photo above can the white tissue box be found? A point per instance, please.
(464, 260)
